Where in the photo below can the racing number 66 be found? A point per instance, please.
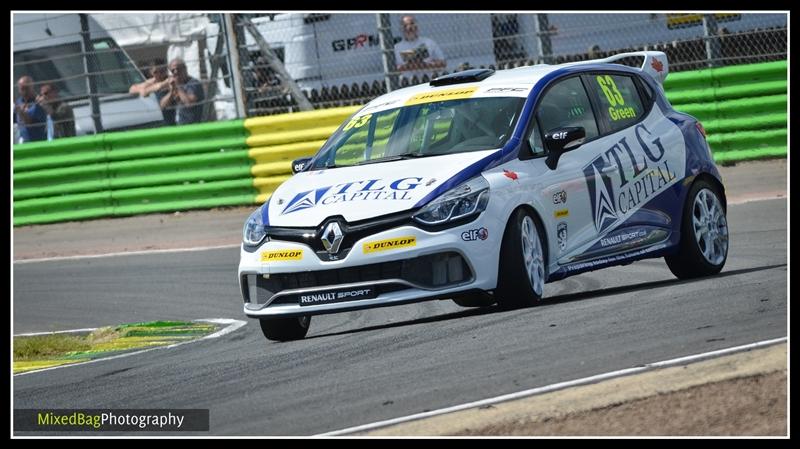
(610, 90)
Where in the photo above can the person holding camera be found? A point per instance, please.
(186, 93)
(415, 54)
(29, 115)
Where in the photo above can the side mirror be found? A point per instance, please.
(299, 165)
(560, 140)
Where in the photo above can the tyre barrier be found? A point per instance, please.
(241, 162)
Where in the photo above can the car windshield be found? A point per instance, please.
(428, 129)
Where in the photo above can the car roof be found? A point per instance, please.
(524, 77)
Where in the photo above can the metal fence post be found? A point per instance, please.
(90, 84)
(711, 37)
(387, 51)
(237, 86)
(276, 65)
(543, 33)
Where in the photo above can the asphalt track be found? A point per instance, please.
(367, 366)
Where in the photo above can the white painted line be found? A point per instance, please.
(127, 253)
(743, 199)
(232, 326)
(71, 331)
(557, 386)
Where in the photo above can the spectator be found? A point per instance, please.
(29, 115)
(157, 84)
(186, 92)
(58, 111)
(267, 82)
(415, 54)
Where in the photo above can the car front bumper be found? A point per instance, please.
(461, 259)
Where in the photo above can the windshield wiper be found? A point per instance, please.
(397, 157)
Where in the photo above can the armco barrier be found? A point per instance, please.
(743, 109)
(114, 174)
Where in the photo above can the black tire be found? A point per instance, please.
(514, 287)
(475, 300)
(689, 262)
(285, 329)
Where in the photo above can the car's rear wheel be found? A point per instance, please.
(703, 248)
(521, 273)
(285, 329)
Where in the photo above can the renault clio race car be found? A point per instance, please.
(482, 186)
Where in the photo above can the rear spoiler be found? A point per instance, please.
(655, 63)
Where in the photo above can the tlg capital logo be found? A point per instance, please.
(624, 177)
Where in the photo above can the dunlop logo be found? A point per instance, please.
(442, 95)
(389, 244)
(286, 254)
(561, 213)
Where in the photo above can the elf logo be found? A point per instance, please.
(475, 234)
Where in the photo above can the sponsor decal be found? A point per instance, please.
(561, 233)
(281, 255)
(441, 95)
(622, 237)
(338, 295)
(612, 259)
(361, 41)
(657, 65)
(562, 213)
(389, 244)
(510, 174)
(378, 105)
(613, 197)
(560, 197)
(499, 90)
(475, 234)
(365, 190)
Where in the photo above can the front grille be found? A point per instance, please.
(431, 271)
(353, 232)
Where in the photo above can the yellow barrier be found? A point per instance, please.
(276, 140)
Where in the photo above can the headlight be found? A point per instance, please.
(467, 199)
(254, 231)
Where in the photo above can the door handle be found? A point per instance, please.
(609, 169)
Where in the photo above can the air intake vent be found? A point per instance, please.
(466, 76)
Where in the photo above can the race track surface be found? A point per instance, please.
(361, 367)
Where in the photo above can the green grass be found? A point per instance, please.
(44, 351)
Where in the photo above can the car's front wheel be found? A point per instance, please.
(521, 273)
(703, 248)
(285, 329)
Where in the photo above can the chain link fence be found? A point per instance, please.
(260, 64)
(346, 59)
(91, 73)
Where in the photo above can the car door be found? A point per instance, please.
(627, 180)
(562, 191)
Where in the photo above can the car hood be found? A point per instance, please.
(364, 191)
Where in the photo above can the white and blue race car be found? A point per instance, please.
(482, 186)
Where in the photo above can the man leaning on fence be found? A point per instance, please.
(61, 117)
(415, 54)
(187, 94)
(29, 115)
(158, 84)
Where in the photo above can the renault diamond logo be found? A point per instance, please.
(332, 237)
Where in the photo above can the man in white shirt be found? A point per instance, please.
(415, 54)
